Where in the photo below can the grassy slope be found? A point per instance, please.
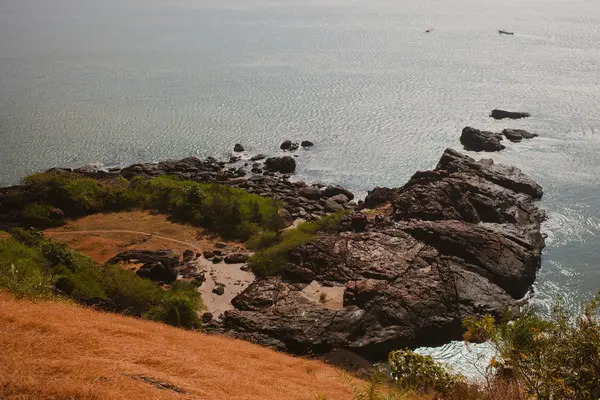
(54, 350)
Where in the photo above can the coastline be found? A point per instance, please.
(412, 225)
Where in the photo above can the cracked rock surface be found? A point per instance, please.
(463, 239)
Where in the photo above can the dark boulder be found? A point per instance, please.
(501, 114)
(339, 198)
(207, 317)
(331, 206)
(516, 135)
(378, 197)
(310, 192)
(157, 272)
(286, 218)
(286, 145)
(289, 146)
(307, 143)
(188, 255)
(358, 222)
(219, 290)
(476, 140)
(331, 191)
(238, 148)
(285, 164)
(258, 157)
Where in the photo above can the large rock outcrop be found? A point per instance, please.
(463, 239)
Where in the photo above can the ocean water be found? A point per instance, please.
(122, 81)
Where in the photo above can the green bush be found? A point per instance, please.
(42, 216)
(421, 372)
(21, 270)
(29, 237)
(230, 212)
(557, 358)
(73, 194)
(262, 240)
(272, 260)
(178, 307)
(37, 267)
(129, 293)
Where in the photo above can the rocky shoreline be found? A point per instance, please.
(462, 239)
(261, 175)
(409, 263)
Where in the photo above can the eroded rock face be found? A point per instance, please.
(463, 239)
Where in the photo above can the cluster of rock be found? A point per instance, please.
(476, 140)
(462, 239)
(288, 145)
(261, 175)
(166, 266)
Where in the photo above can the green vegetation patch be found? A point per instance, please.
(272, 260)
(49, 197)
(33, 266)
(554, 358)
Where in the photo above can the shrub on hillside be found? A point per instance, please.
(73, 194)
(421, 372)
(179, 306)
(558, 358)
(43, 216)
(262, 240)
(33, 266)
(29, 237)
(272, 260)
(20, 271)
(230, 212)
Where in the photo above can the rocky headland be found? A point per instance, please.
(462, 239)
(408, 263)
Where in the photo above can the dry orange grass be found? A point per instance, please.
(52, 350)
(85, 234)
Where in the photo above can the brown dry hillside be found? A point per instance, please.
(51, 350)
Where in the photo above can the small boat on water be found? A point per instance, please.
(503, 32)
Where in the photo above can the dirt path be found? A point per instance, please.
(194, 246)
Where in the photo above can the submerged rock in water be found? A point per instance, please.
(516, 135)
(285, 164)
(476, 140)
(501, 114)
(463, 239)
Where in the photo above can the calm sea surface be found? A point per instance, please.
(121, 81)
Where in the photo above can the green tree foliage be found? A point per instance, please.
(230, 212)
(558, 358)
(421, 372)
(42, 215)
